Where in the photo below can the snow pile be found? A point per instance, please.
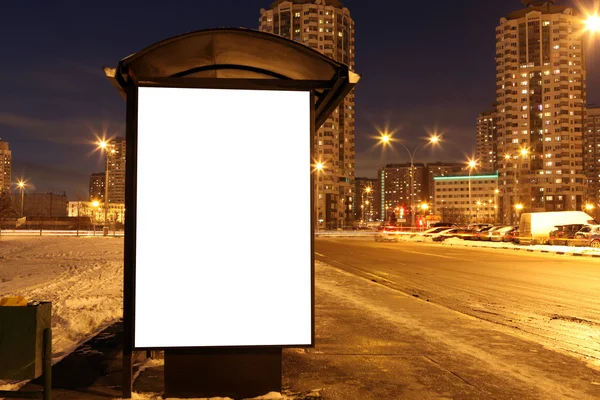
(538, 247)
(82, 277)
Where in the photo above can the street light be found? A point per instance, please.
(518, 208)
(318, 167)
(434, 139)
(496, 192)
(471, 164)
(103, 146)
(95, 204)
(592, 23)
(523, 152)
(21, 185)
(367, 190)
(589, 207)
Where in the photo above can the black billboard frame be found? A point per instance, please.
(129, 348)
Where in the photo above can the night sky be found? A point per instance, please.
(424, 65)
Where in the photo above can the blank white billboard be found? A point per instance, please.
(223, 235)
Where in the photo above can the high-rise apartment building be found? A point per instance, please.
(5, 167)
(115, 152)
(540, 93)
(364, 190)
(486, 140)
(592, 156)
(326, 26)
(395, 188)
(97, 186)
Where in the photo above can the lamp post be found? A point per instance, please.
(95, 205)
(103, 146)
(21, 185)
(522, 153)
(518, 209)
(496, 192)
(472, 164)
(424, 207)
(434, 139)
(367, 190)
(319, 166)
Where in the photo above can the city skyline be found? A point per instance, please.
(414, 78)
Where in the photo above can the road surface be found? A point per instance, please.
(429, 321)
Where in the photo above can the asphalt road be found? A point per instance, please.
(551, 299)
(432, 321)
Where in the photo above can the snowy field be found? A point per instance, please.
(81, 276)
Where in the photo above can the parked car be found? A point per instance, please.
(432, 231)
(588, 236)
(498, 235)
(481, 232)
(564, 234)
(487, 236)
(511, 234)
(442, 224)
(445, 234)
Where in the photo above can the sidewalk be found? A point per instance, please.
(372, 343)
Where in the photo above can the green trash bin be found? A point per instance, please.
(26, 346)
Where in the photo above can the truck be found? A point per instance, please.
(535, 228)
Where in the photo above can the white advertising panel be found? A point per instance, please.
(223, 235)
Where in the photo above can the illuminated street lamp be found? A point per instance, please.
(471, 164)
(21, 185)
(103, 146)
(592, 23)
(434, 139)
(496, 193)
(589, 207)
(95, 205)
(318, 167)
(367, 190)
(518, 208)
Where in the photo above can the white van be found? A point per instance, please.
(535, 228)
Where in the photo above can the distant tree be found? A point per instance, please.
(41, 211)
(7, 209)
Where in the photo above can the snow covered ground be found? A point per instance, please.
(539, 247)
(81, 276)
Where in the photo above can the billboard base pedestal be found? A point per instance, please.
(236, 373)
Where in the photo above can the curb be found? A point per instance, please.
(562, 253)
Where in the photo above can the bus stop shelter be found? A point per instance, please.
(225, 58)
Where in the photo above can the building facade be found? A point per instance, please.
(97, 186)
(540, 97)
(592, 157)
(440, 169)
(467, 199)
(486, 140)
(41, 205)
(116, 211)
(364, 191)
(116, 170)
(5, 167)
(394, 180)
(326, 26)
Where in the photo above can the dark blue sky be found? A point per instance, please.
(423, 64)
